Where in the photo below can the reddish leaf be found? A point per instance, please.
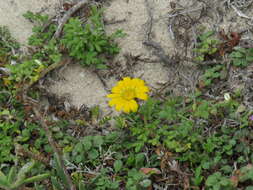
(234, 180)
(150, 171)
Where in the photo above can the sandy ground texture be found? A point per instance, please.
(11, 15)
(82, 87)
(175, 34)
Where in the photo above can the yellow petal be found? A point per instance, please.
(126, 108)
(122, 98)
(126, 79)
(142, 96)
(116, 90)
(114, 101)
(118, 107)
(143, 89)
(138, 82)
(112, 95)
(133, 105)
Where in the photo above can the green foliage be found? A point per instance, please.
(90, 149)
(242, 57)
(175, 125)
(26, 71)
(9, 127)
(47, 50)
(40, 33)
(6, 140)
(88, 42)
(211, 74)
(246, 173)
(17, 178)
(137, 180)
(36, 17)
(7, 45)
(207, 137)
(103, 182)
(62, 183)
(206, 46)
(216, 182)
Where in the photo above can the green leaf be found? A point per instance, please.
(206, 35)
(60, 171)
(117, 165)
(4, 181)
(56, 184)
(98, 141)
(236, 54)
(79, 158)
(93, 154)
(249, 58)
(79, 147)
(87, 143)
(198, 178)
(11, 175)
(148, 108)
(213, 179)
(101, 66)
(203, 110)
(36, 178)
(139, 160)
(81, 186)
(24, 170)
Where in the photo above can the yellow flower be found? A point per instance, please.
(125, 92)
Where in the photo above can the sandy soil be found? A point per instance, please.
(82, 86)
(11, 15)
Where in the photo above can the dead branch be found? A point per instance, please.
(240, 14)
(159, 51)
(150, 21)
(111, 22)
(66, 17)
(53, 145)
(56, 65)
(102, 80)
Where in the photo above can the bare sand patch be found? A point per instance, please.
(82, 86)
(11, 15)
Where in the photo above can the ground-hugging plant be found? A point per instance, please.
(242, 57)
(7, 45)
(206, 46)
(207, 138)
(15, 179)
(88, 42)
(178, 131)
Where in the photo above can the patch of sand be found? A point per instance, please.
(80, 84)
(89, 90)
(11, 15)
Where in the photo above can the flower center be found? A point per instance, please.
(128, 94)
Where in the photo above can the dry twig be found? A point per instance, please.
(66, 17)
(64, 61)
(240, 14)
(53, 145)
(159, 51)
